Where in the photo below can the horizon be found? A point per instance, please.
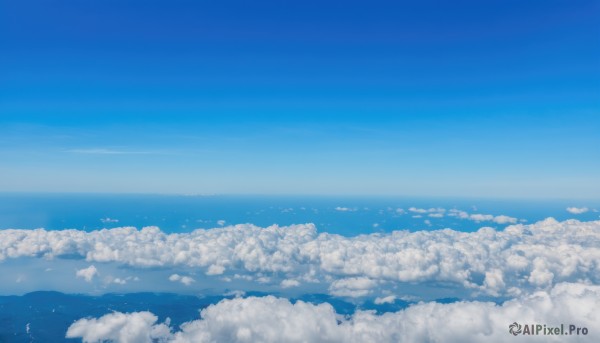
(312, 195)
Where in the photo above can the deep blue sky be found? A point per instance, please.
(466, 98)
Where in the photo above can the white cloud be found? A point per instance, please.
(215, 269)
(504, 220)
(287, 283)
(345, 209)
(431, 210)
(458, 213)
(186, 280)
(138, 327)
(385, 300)
(417, 210)
(108, 220)
(87, 273)
(270, 319)
(221, 222)
(352, 287)
(570, 251)
(119, 281)
(481, 217)
(577, 210)
(478, 217)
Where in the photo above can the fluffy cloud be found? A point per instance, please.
(345, 209)
(186, 280)
(287, 283)
(431, 210)
(352, 287)
(577, 210)
(270, 319)
(87, 273)
(139, 327)
(501, 219)
(487, 261)
(385, 300)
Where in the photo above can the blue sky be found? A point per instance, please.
(464, 98)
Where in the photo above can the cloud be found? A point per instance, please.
(352, 287)
(577, 210)
(431, 210)
(87, 273)
(417, 210)
(345, 209)
(478, 217)
(119, 281)
(215, 269)
(109, 220)
(186, 280)
(390, 299)
(270, 319)
(524, 257)
(287, 283)
(504, 220)
(138, 327)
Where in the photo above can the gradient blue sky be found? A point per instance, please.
(463, 98)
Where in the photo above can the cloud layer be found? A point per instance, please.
(498, 263)
(270, 319)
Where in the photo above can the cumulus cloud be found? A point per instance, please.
(215, 269)
(186, 280)
(577, 210)
(270, 319)
(87, 273)
(435, 211)
(352, 287)
(417, 210)
(502, 219)
(287, 283)
(385, 300)
(345, 209)
(526, 257)
(108, 220)
(119, 281)
(478, 217)
(138, 327)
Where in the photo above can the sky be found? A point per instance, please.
(428, 98)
